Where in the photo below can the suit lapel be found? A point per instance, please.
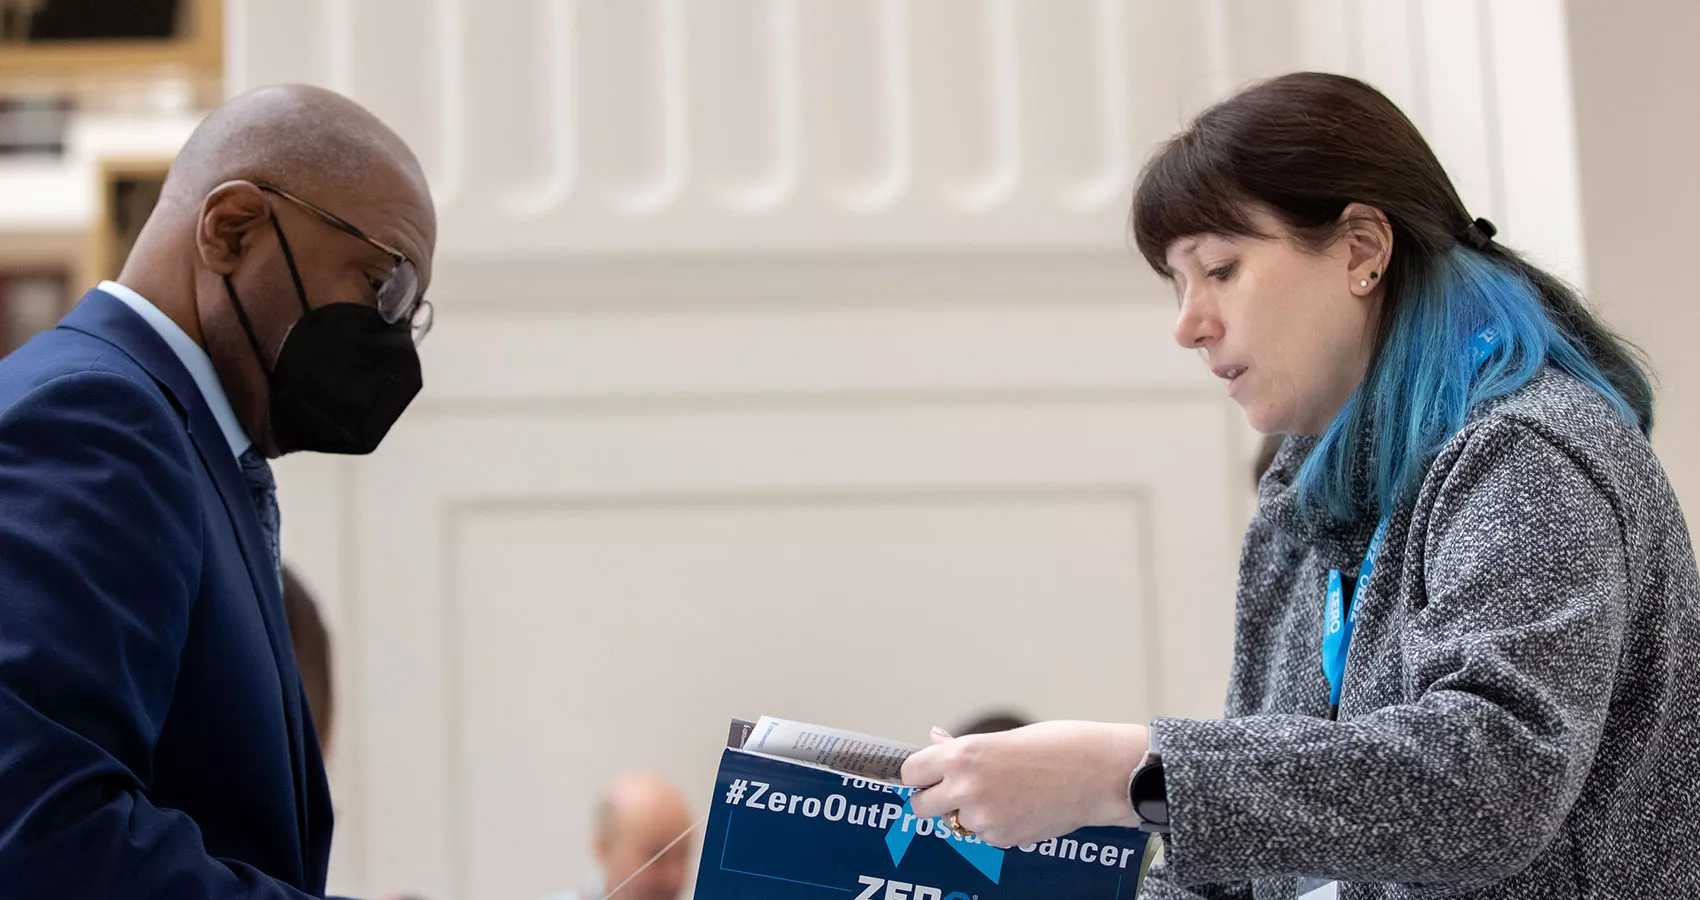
(105, 317)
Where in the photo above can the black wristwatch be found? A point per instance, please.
(1148, 795)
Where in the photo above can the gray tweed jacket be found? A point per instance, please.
(1521, 712)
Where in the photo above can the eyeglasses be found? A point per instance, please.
(399, 299)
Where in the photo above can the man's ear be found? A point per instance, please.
(1368, 239)
(230, 219)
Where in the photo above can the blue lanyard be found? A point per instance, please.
(1484, 343)
(1342, 615)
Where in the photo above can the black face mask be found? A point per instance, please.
(342, 377)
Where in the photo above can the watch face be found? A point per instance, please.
(1149, 796)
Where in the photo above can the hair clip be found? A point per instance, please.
(1479, 233)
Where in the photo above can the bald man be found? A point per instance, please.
(154, 738)
(638, 817)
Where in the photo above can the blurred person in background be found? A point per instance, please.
(639, 818)
(312, 643)
(156, 738)
(1467, 605)
(1266, 450)
(993, 722)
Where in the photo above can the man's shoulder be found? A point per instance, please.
(66, 366)
(70, 401)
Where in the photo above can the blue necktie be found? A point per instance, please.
(263, 489)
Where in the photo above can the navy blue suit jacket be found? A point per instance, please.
(154, 738)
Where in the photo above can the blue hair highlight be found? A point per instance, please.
(1427, 377)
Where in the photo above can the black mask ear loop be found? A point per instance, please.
(289, 260)
(248, 329)
(242, 314)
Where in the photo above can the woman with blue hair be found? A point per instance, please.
(1466, 622)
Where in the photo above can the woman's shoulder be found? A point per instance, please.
(1564, 411)
(1554, 422)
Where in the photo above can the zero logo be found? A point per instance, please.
(903, 890)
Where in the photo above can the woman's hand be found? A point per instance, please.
(1027, 785)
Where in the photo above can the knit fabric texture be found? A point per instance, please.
(1521, 709)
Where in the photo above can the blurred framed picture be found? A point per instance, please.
(31, 301)
(80, 38)
(128, 190)
(38, 281)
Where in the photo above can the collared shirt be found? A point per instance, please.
(193, 358)
(592, 890)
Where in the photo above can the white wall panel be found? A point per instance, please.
(587, 610)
